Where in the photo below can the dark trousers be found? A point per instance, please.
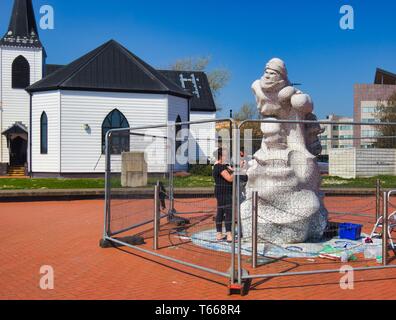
(224, 213)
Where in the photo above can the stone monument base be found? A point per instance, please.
(134, 170)
(206, 239)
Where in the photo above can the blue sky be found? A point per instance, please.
(240, 36)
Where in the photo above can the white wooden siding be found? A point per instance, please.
(178, 107)
(15, 103)
(204, 135)
(82, 150)
(48, 102)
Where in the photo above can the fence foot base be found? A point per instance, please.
(178, 220)
(104, 244)
(239, 289)
(132, 240)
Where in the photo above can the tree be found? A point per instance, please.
(251, 134)
(218, 78)
(386, 112)
(248, 111)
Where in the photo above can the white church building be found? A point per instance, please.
(53, 118)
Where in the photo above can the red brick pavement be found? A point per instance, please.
(65, 236)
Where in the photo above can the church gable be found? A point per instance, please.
(197, 83)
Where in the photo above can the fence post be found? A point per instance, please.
(107, 226)
(385, 231)
(232, 269)
(378, 199)
(236, 223)
(237, 213)
(156, 215)
(254, 228)
(171, 132)
(171, 190)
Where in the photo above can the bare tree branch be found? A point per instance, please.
(248, 111)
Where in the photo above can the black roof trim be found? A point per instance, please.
(111, 90)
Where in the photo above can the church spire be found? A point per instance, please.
(22, 31)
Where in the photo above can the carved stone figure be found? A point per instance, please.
(284, 171)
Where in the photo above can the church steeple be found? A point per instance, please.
(22, 31)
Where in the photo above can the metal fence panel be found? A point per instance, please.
(178, 158)
(353, 168)
(161, 199)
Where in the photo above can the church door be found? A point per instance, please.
(18, 151)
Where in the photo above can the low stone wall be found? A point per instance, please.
(362, 163)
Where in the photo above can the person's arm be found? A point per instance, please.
(227, 176)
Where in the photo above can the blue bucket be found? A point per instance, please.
(350, 231)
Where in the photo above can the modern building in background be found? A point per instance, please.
(336, 136)
(349, 156)
(364, 159)
(366, 99)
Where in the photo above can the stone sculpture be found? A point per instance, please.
(284, 171)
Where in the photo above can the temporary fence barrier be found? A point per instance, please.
(160, 196)
(370, 161)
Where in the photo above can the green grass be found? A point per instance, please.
(26, 184)
(189, 182)
(337, 182)
(179, 182)
(31, 184)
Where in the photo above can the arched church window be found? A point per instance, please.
(120, 141)
(20, 73)
(178, 138)
(44, 133)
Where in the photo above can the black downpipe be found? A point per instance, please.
(30, 136)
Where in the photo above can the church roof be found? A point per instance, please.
(110, 67)
(22, 30)
(51, 68)
(16, 128)
(197, 84)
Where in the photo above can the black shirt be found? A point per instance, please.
(223, 188)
